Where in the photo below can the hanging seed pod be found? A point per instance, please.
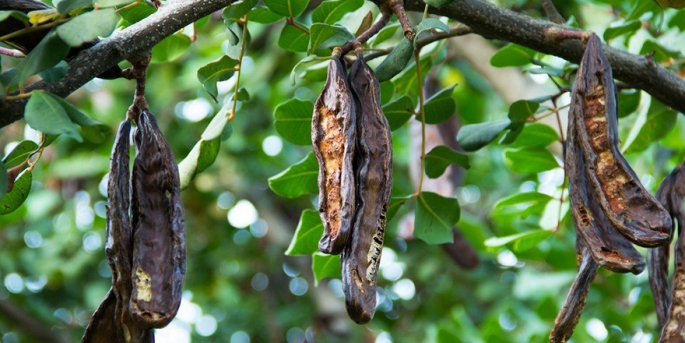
(674, 329)
(626, 203)
(658, 257)
(373, 165)
(568, 317)
(609, 249)
(334, 140)
(159, 249)
(396, 61)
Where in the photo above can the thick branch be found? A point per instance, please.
(132, 41)
(27, 324)
(493, 22)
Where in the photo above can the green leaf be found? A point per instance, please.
(67, 6)
(430, 24)
(521, 241)
(660, 120)
(12, 200)
(399, 111)
(395, 204)
(91, 129)
(298, 179)
(440, 106)
(293, 121)
(512, 55)
(325, 266)
(325, 36)
(307, 235)
(3, 180)
(55, 73)
(293, 73)
(521, 110)
(385, 33)
(627, 28)
(330, 12)
(21, 16)
(89, 26)
(628, 101)
(220, 70)
(529, 160)
(515, 130)
(475, 136)
(661, 53)
(396, 60)
(438, 159)
(678, 20)
(536, 135)
(264, 15)
(293, 39)
(287, 8)
(236, 11)
(44, 113)
(112, 3)
(170, 48)
(19, 154)
(44, 56)
(435, 216)
(438, 3)
(137, 12)
(524, 203)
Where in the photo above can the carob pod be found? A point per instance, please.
(626, 203)
(159, 248)
(373, 165)
(658, 257)
(568, 317)
(610, 249)
(334, 140)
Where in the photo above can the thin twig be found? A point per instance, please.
(552, 13)
(454, 32)
(364, 37)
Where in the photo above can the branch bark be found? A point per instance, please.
(134, 40)
(493, 22)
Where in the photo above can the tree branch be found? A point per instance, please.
(27, 324)
(493, 22)
(135, 40)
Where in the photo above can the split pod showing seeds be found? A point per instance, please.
(334, 140)
(373, 165)
(159, 248)
(626, 203)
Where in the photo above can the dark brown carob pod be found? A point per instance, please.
(626, 203)
(609, 249)
(568, 317)
(673, 330)
(373, 165)
(159, 248)
(658, 257)
(334, 140)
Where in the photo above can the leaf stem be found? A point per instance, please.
(239, 71)
(31, 29)
(421, 114)
(291, 22)
(364, 37)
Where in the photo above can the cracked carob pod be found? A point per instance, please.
(568, 317)
(159, 248)
(334, 140)
(609, 248)
(626, 203)
(373, 166)
(658, 257)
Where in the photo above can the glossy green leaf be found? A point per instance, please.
(628, 101)
(536, 135)
(325, 266)
(44, 113)
(264, 15)
(298, 179)
(19, 154)
(293, 72)
(435, 216)
(385, 33)
(512, 55)
(440, 107)
(395, 204)
(3, 180)
(525, 204)
(307, 235)
(13, 199)
(21, 16)
(438, 159)
(89, 26)
(658, 122)
(293, 121)
(331, 11)
(520, 241)
(661, 52)
(293, 39)
(44, 56)
(430, 24)
(521, 110)
(236, 11)
(170, 48)
(67, 6)
(112, 3)
(627, 28)
(324, 36)
(220, 70)
(475, 136)
(137, 12)
(399, 111)
(396, 60)
(91, 129)
(529, 160)
(287, 8)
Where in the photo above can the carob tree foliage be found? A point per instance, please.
(359, 82)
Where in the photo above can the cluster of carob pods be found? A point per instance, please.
(352, 143)
(145, 244)
(610, 207)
